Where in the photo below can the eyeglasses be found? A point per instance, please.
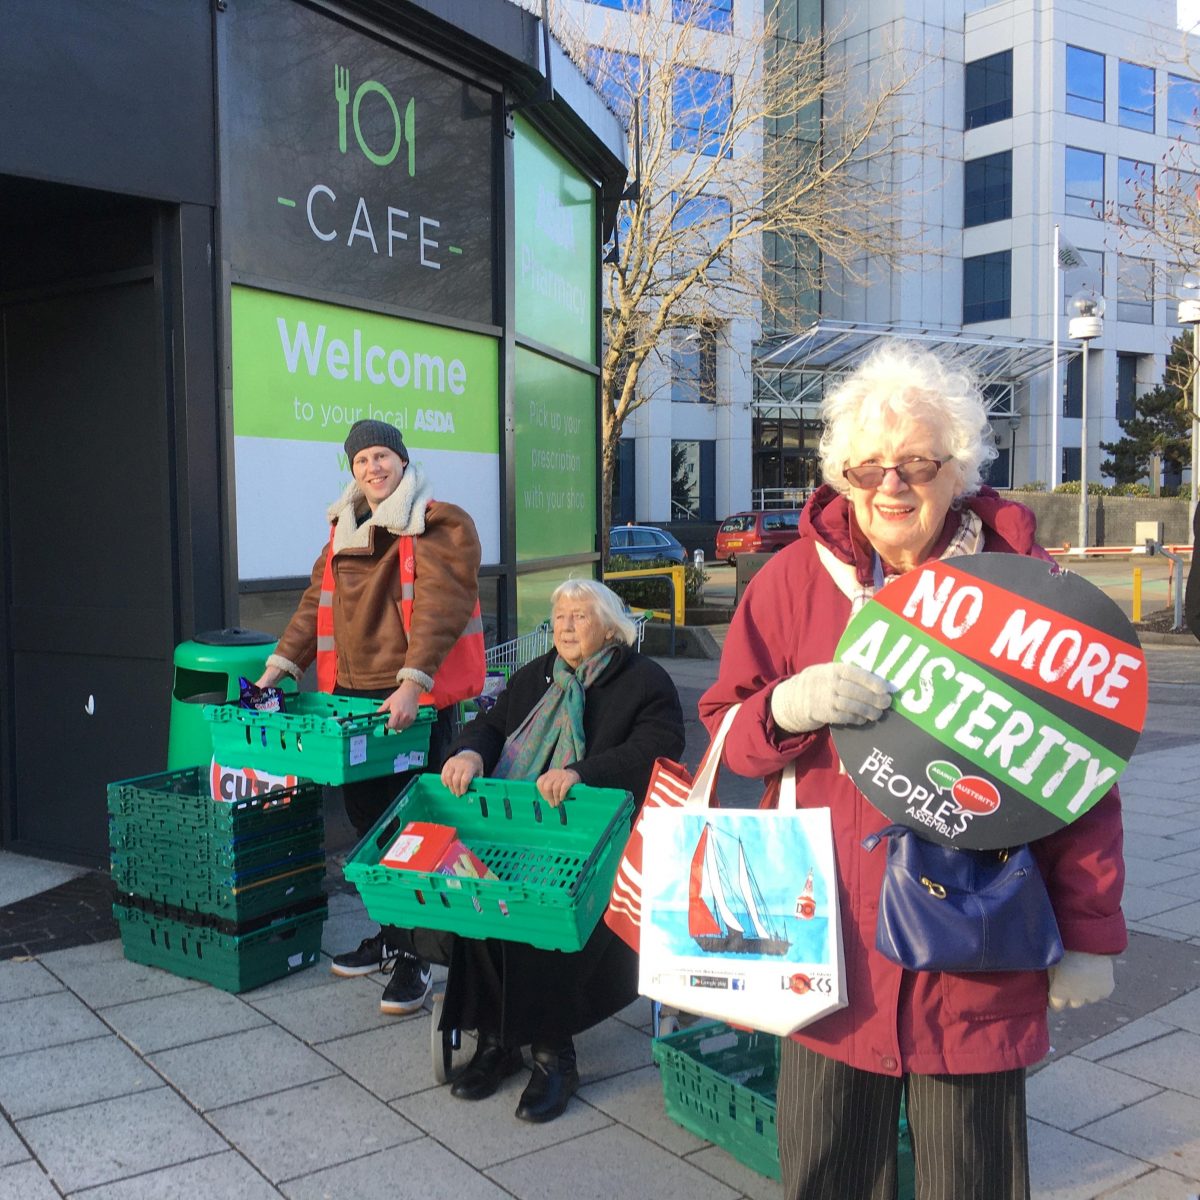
(915, 470)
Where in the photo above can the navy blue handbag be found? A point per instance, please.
(942, 909)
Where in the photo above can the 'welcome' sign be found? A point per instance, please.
(1019, 695)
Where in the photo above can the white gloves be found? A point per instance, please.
(1078, 979)
(829, 694)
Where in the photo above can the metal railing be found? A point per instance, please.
(521, 651)
(1156, 547)
(764, 499)
(674, 578)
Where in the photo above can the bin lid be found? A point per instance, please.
(233, 637)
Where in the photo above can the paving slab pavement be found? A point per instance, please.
(121, 1082)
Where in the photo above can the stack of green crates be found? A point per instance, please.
(231, 893)
(719, 1083)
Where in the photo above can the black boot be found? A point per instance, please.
(555, 1080)
(491, 1065)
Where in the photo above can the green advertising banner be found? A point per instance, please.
(555, 458)
(304, 372)
(533, 595)
(556, 247)
(308, 371)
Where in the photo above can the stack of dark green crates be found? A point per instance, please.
(231, 893)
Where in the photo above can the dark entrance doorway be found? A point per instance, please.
(86, 512)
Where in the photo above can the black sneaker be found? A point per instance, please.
(407, 988)
(373, 954)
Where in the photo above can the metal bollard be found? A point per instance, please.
(698, 563)
(1137, 595)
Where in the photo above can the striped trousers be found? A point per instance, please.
(838, 1132)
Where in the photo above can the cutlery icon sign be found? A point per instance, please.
(341, 92)
(348, 114)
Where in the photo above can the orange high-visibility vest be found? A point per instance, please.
(461, 675)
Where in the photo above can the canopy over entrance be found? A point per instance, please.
(795, 369)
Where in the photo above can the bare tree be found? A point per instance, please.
(750, 149)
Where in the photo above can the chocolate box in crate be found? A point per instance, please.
(329, 739)
(554, 867)
(719, 1083)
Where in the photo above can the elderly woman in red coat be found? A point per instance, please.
(906, 436)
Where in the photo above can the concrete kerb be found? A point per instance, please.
(691, 641)
(1181, 641)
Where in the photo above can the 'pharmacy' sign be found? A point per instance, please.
(1019, 696)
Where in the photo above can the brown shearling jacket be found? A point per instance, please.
(373, 651)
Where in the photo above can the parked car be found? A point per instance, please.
(757, 533)
(643, 543)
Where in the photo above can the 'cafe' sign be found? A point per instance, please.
(353, 168)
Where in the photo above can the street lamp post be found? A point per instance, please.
(1088, 305)
(1189, 314)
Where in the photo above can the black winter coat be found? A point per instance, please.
(511, 990)
(631, 715)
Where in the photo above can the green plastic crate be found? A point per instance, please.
(719, 1083)
(232, 898)
(329, 739)
(179, 803)
(193, 855)
(555, 866)
(227, 961)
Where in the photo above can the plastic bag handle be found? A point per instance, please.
(700, 794)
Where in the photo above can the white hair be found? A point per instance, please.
(609, 607)
(907, 381)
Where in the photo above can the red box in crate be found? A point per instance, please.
(426, 846)
(421, 846)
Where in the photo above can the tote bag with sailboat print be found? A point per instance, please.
(740, 917)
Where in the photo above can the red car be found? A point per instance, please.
(757, 533)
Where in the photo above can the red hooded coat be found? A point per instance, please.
(898, 1021)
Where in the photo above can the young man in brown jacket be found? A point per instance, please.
(363, 648)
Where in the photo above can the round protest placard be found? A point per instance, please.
(1019, 692)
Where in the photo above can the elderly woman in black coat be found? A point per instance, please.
(593, 711)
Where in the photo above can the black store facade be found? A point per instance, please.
(228, 228)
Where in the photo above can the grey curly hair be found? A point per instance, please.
(608, 606)
(907, 381)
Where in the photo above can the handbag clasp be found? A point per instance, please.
(934, 889)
